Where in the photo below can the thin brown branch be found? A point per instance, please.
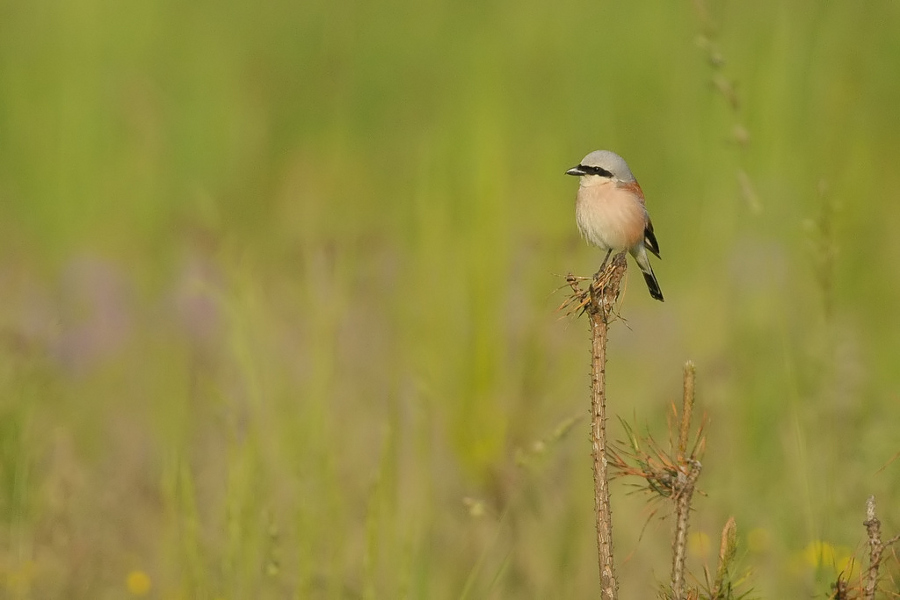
(876, 547)
(888, 463)
(688, 470)
(686, 408)
(687, 478)
(576, 302)
(604, 292)
(840, 589)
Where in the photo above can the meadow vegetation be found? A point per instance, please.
(277, 310)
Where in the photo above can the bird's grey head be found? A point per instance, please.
(605, 164)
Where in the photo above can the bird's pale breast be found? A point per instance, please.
(610, 217)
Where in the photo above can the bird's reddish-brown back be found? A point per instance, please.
(635, 188)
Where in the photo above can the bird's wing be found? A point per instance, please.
(649, 237)
(650, 242)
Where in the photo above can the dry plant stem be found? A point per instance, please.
(682, 508)
(841, 590)
(727, 549)
(688, 471)
(604, 293)
(873, 528)
(687, 408)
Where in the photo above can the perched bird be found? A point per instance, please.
(610, 211)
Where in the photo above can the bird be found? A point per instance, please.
(611, 213)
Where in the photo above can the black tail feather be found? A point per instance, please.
(653, 285)
(650, 242)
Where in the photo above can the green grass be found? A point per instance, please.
(276, 290)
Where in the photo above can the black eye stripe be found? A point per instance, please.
(595, 171)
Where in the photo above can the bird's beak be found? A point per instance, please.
(576, 171)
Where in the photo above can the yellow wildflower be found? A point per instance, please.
(138, 583)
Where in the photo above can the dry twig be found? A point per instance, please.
(876, 549)
(688, 472)
(604, 292)
(599, 302)
(668, 474)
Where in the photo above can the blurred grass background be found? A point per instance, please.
(276, 291)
